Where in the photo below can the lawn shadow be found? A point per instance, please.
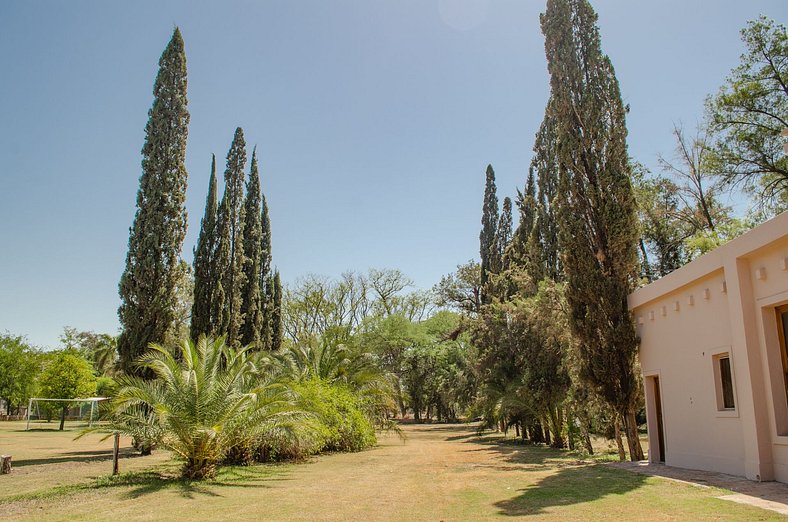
(516, 452)
(571, 485)
(78, 456)
(147, 482)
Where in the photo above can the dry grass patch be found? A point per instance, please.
(438, 473)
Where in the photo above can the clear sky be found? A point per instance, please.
(374, 122)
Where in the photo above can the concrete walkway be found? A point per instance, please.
(767, 495)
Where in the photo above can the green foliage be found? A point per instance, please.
(597, 222)
(487, 242)
(67, 375)
(230, 249)
(100, 349)
(342, 424)
(20, 364)
(253, 291)
(461, 290)
(203, 321)
(147, 286)
(275, 304)
(749, 113)
(202, 404)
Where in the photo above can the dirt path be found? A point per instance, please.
(438, 473)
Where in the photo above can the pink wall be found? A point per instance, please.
(721, 303)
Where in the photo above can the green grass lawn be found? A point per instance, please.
(437, 473)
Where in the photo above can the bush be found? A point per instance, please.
(341, 423)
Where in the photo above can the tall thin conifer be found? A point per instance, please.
(147, 286)
(230, 251)
(487, 243)
(204, 264)
(252, 305)
(597, 223)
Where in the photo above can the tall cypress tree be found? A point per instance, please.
(230, 251)
(503, 234)
(276, 312)
(147, 286)
(204, 277)
(487, 244)
(266, 282)
(596, 208)
(252, 304)
(545, 163)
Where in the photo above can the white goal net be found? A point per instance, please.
(44, 413)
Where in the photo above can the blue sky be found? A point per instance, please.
(374, 122)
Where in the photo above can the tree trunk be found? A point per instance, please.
(617, 430)
(5, 464)
(557, 427)
(633, 440)
(400, 402)
(63, 417)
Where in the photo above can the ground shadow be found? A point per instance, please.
(571, 485)
(517, 452)
(147, 482)
(76, 456)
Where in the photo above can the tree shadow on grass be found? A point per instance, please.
(568, 486)
(147, 482)
(518, 453)
(77, 456)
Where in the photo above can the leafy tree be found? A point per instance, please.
(461, 290)
(203, 322)
(230, 251)
(252, 305)
(663, 233)
(19, 366)
(147, 286)
(101, 349)
(596, 208)
(487, 243)
(698, 189)
(749, 113)
(67, 376)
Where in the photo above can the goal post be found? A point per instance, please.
(92, 402)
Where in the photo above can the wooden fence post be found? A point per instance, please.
(115, 451)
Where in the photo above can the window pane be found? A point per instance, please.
(727, 383)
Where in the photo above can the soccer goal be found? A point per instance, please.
(83, 411)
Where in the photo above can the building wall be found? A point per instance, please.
(721, 303)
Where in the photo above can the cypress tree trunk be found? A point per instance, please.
(203, 321)
(147, 286)
(598, 230)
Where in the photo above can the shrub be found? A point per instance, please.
(341, 423)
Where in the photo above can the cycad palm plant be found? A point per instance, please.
(201, 405)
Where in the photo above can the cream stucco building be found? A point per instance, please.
(713, 356)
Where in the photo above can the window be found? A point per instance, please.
(723, 381)
(726, 382)
(782, 332)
